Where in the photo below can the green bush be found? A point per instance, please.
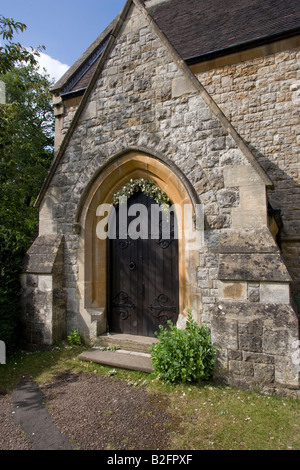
(12, 251)
(183, 355)
(74, 338)
(26, 152)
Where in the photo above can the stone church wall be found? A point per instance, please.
(143, 100)
(261, 98)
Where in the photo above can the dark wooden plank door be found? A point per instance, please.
(143, 288)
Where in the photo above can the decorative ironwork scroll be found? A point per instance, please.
(121, 305)
(162, 309)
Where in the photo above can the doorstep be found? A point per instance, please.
(127, 342)
(121, 359)
(122, 351)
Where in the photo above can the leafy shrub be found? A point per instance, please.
(26, 143)
(74, 338)
(183, 355)
(12, 251)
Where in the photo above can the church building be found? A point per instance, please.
(189, 110)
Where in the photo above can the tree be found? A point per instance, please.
(12, 52)
(26, 151)
(26, 138)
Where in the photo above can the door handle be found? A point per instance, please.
(132, 265)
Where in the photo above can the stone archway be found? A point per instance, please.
(92, 254)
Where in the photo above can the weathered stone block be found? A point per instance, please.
(252, 267)
(264, 373)
(31, 280)
(286, 372)
(45, 283)
(275, 341)
(232, 157)
(90, 111)
(275, 292)
(253, 292)
(224, 332)
(250, 343)
(181, 86)
(202, 274)
(242, 176)
(258, 358)
(243, 369)
(235, 355)
(253, 327)
(233, 290)
(228, 198)
(246, 241)
(218, 221)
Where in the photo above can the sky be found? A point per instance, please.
(65, 27)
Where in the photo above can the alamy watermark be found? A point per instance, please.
(166, 222)
(2, 353)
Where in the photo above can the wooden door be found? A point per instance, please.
(143, 288)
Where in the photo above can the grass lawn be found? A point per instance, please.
(209, 417)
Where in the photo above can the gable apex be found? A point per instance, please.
(127, 20)
(190, 27)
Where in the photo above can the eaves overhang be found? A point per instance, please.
(240, 47)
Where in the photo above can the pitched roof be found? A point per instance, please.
(187, 73)
(200, 27)
(199, 30)
(79, 74)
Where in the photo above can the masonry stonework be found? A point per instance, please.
(145, 101)
(261, 98)
(43, 302)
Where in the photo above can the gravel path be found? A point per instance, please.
(96, 413)
(11, 436)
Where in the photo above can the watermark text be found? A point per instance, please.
(163, 222)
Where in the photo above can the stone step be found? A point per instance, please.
(121, 359)
(132, 352)
(126, 342)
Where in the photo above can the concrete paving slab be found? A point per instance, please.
(33, 418)
(121, 359)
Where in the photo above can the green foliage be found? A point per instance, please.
(147, 187)
(183, 355)
(26, 151)
(11, 255)
(74, 338)
(26, 139)
(12, 52)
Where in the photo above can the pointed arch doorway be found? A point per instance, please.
(143, 289)
(93, 257)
